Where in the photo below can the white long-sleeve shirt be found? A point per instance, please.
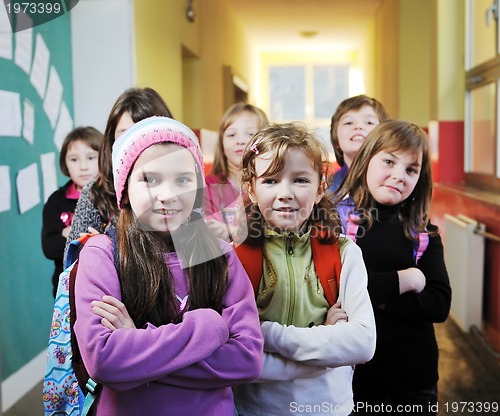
(308, 371)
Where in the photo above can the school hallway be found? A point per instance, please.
(464, 377)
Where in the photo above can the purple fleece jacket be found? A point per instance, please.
(187, 368)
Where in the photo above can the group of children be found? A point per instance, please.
(291, 317)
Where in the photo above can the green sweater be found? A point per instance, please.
(290, 292)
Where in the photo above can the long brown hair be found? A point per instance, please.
(279, 139)
(220, 167)
(140, 103)
(350, 104)
(391, 136)
(147, 285)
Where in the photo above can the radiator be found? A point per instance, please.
(464, 257)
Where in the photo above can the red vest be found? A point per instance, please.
(326, 259)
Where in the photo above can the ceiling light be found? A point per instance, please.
(308, 33)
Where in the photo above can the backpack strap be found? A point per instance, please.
(328, 265)
(326, 259)
(351, 229)
(251, 258)
(88, 385)
(80, 371)
(351, 226)
(349, 218)
(113, 235)
(423, 242)
(92, 392)
(74, 248)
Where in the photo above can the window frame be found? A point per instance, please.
(475, 77)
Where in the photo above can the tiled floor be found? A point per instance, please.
(463, 378)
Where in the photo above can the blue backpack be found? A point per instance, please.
(67, 387)
(350, 224)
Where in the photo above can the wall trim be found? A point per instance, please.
(22, 381)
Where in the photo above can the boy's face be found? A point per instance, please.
(162, 187)
(353, 128)
(287, 198)
(237, 135)
(83, 163)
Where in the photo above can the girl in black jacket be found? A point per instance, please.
(78, 159)
(389, 186)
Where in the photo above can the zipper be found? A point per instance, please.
(289, 244)
(291, 276)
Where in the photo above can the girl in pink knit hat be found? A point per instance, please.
(169, 324)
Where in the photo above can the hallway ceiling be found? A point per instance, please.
(276, 24)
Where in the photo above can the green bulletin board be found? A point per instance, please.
(36, 112)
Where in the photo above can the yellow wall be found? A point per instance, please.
(415, 61)
(450, 60)
(419, 59)
(367, 53)
(184, 61)
(223, 42)
(387, 56)
(160, 27)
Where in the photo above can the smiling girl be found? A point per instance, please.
(390, 183)
(310, 343)
(187, 328)
(353, 120)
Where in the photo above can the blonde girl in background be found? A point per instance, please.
(78, 159)
(223, 197)
(309, 346)
(390, 186)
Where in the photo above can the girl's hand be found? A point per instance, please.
(91, 230)
(114, 314)
(411, 280)
(65, 231)
(220, 230)
(335, 314)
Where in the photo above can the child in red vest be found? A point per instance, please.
(314, 331)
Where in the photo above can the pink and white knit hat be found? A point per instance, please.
(129, 146)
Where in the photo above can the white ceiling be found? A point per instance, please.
(276, 24)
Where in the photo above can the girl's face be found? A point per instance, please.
(353, 128)
(82, 163)
(162, 187)
(392, 177)
(123, 124)
(237, 135)
(287, 198)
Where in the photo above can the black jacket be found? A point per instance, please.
(406, 355)
(53, 242)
